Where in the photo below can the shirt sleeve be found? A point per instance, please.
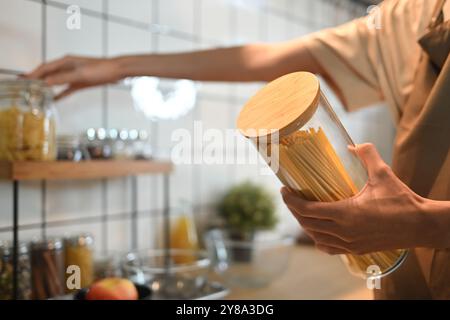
(345, 54)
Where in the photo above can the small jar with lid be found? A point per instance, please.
(27, 121)
(98, 143)
(79, 252)
(300, 137)
(7, 270)
(47, 269)
(71, 149)
(130, 144)
(121, 145)
(142, 146)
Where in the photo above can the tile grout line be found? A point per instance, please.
(118, 216)
(154, 126)
(196, 115)
(234, 22)
(11, 72)
(43, 185)
(104, 120)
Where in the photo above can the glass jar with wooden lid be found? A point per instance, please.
(298, 134)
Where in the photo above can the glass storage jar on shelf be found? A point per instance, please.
(27, 121)
(47, 269)
(71, 149)
(99, 143)
(7, 270)
(78, 251)
(300, 137)
(142, 147)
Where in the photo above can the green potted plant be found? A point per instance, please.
(246, 208)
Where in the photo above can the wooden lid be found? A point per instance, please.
(283, 105)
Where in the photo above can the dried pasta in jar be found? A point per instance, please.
(298, 134)
(27, 121)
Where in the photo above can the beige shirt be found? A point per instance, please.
(374, 58)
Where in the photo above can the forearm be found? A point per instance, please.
(437, 220)
(227, 64)
(255, 62)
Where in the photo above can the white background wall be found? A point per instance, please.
(32, 32)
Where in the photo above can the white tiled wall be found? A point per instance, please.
(137, 10)
(25, 53)
(31, 32)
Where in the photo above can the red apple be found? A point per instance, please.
(112, 289)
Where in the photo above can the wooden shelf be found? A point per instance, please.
(94, 169)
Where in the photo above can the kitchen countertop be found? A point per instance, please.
(310, 274)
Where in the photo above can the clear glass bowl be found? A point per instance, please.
(171, 274)
(250, 264)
